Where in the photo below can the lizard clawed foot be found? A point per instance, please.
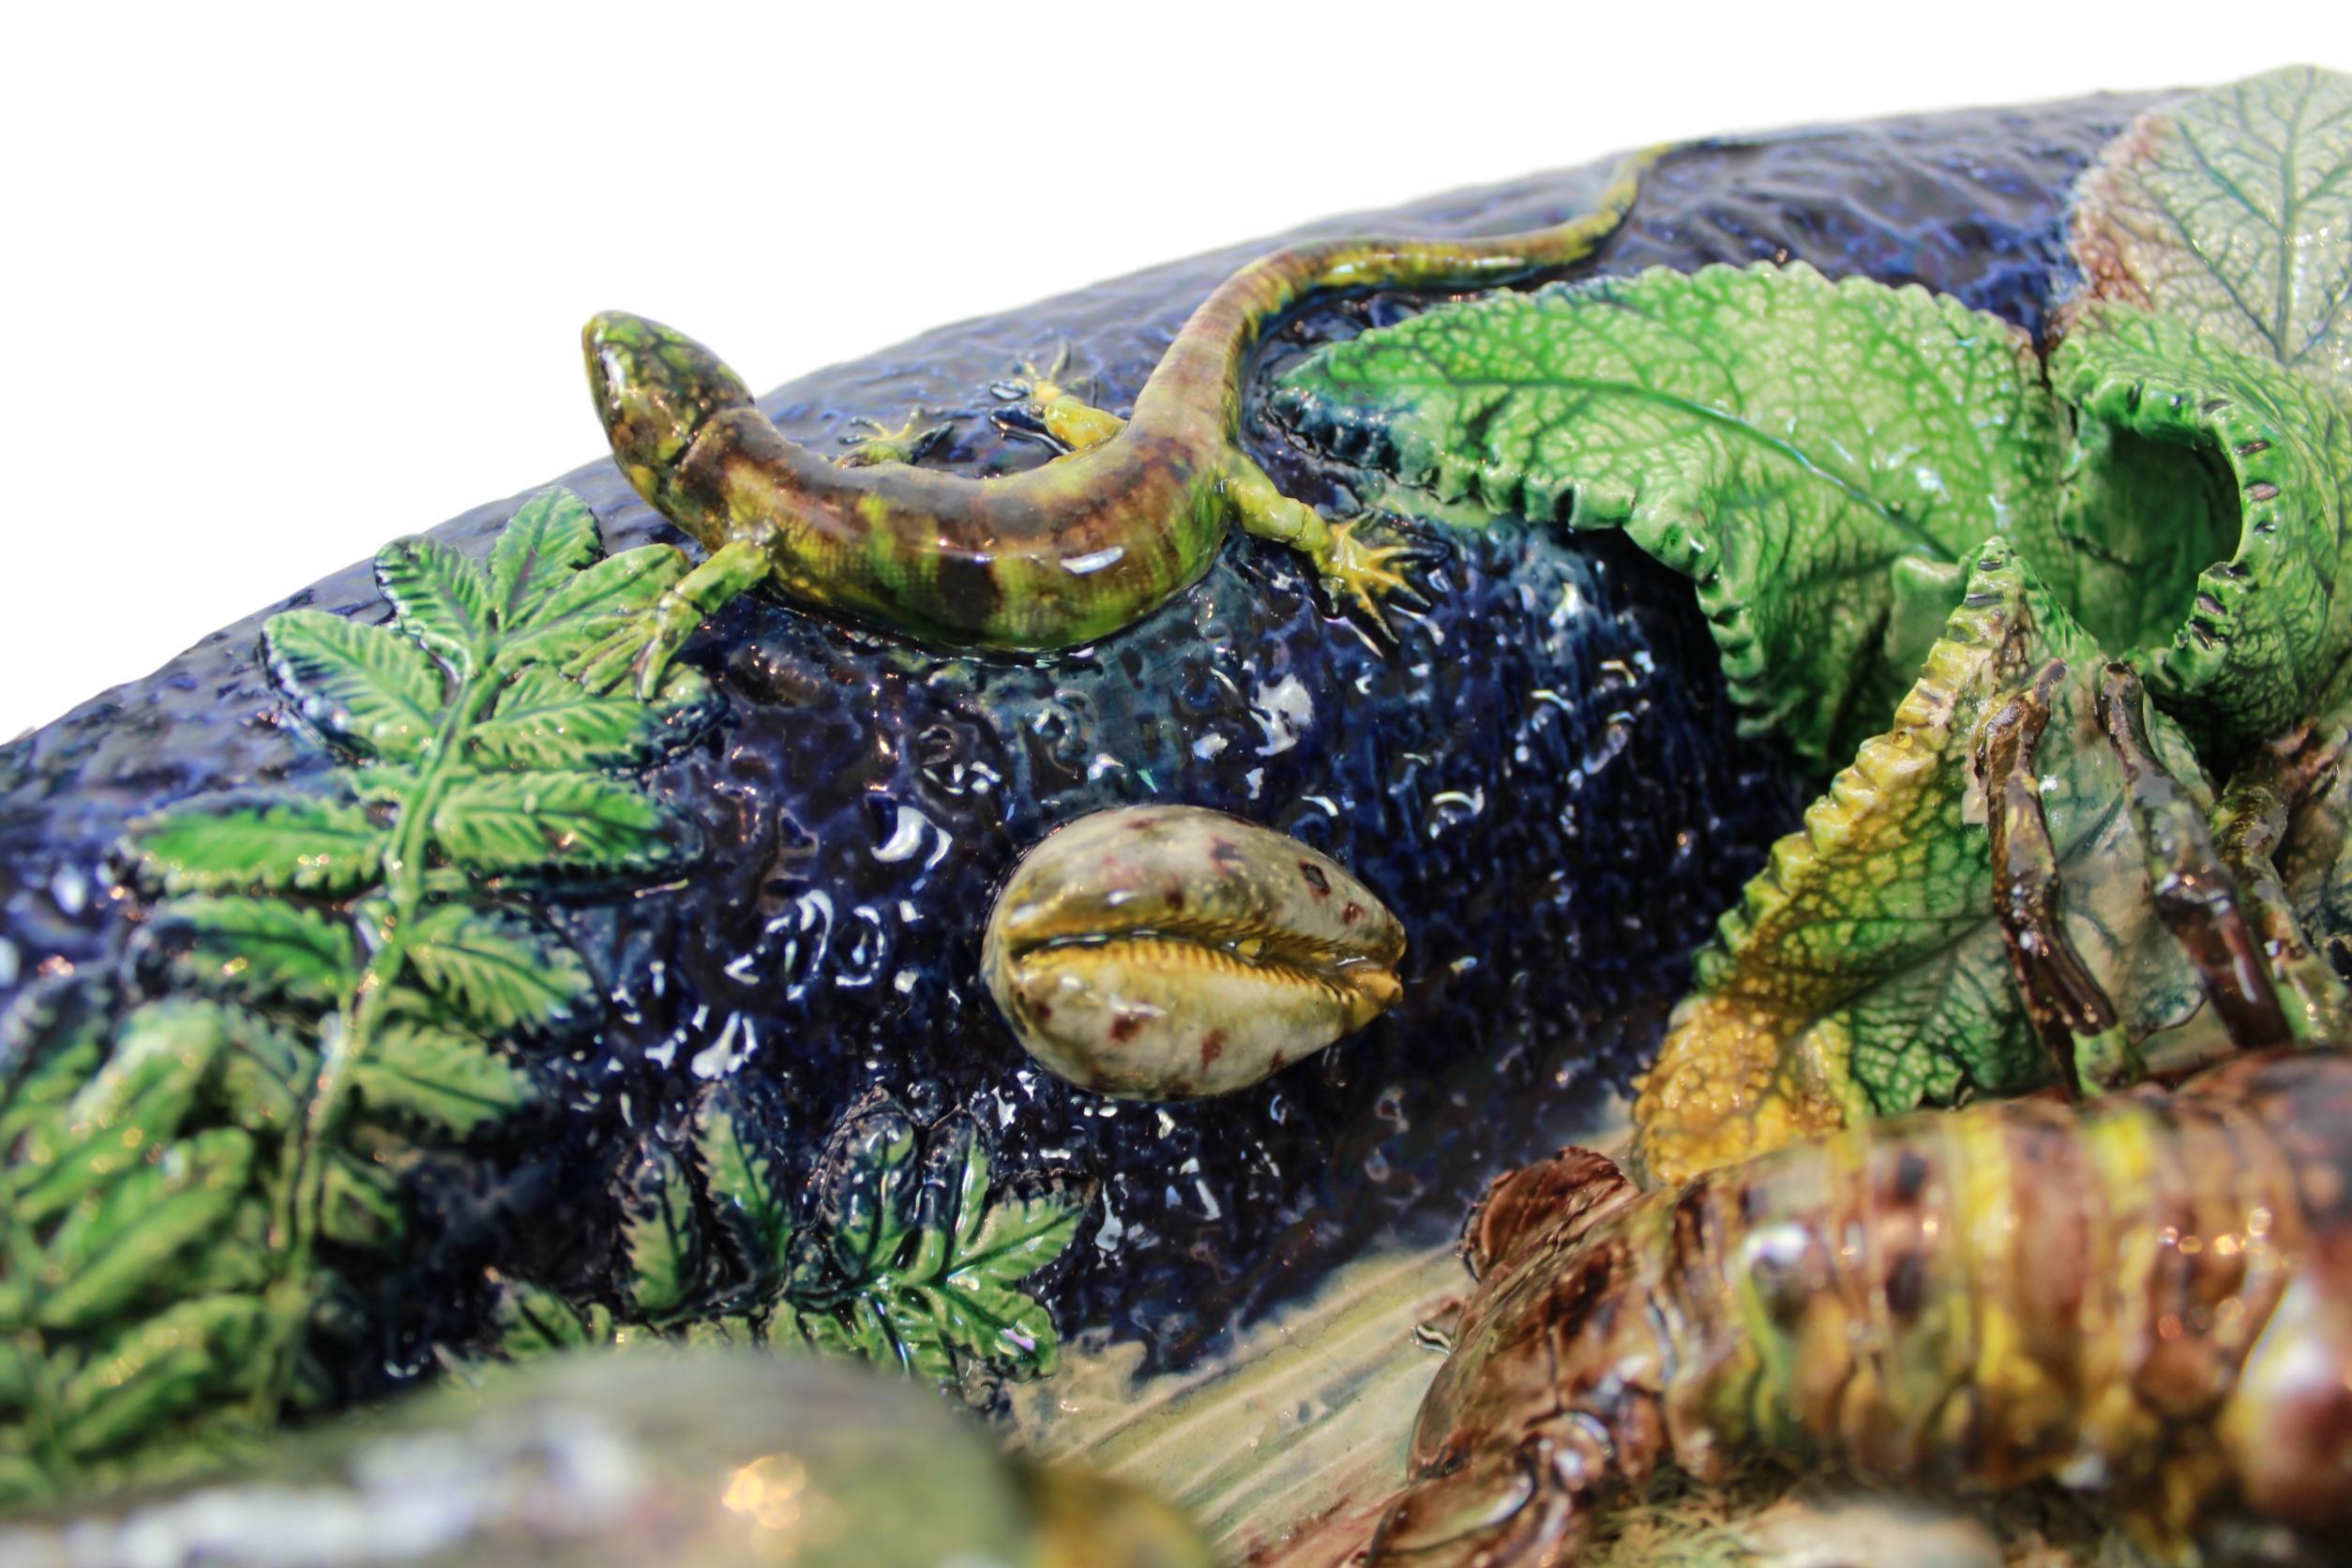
(1363, 577)
(910, 442)
(639, 647)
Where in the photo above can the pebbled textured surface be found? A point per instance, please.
(1544, 781)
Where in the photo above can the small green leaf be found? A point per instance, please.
(359, 1203)
(421, 1072)
(165, 1054)
(365, 687)
(2231, 213)
(550, 539)
(577, 826)
(1786, 442)
(659, 1236)
(52, 1038)
(2265, 628)
(443, 599)
(232, 843)
(597, 602)
(499, 969)
(738, 1147)
(125, 1242)
(158, 1368)
(532, 1320)
(259, 949)
(1864, 972)
(546, 720)
(865, 1193)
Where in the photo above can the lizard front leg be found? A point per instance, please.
(641, 647)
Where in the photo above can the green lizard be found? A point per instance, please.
(1128, 516)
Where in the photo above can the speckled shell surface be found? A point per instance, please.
(1543, 781)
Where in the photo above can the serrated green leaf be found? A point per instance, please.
(533, 1321)
(164, 1054)
(1788, 443)
(865, 1193)
(52, 1040)
(551, 538)
(235, 844)
(597, 602)
(443, 599)
(546, 720)
(123, 1241)
(499, 971)
(2266, 628)
(2231, 213)
(423, 1072)
(741, 1175)
(1864, 972)
(163, 1366)
(660, 1238)
(259, 949)
(365, 688)
(359, 1203)
(576, 826)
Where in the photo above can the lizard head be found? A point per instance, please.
(655, 388)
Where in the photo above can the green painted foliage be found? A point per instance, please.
(2230, 213)
(1818, 457)
(2271, 619)
(184, 1176)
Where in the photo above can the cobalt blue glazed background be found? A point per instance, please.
(1543, 781)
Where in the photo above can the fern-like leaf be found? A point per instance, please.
(234, 843)
(367, 688)
(443, 599)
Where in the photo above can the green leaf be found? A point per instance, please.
(865, 1191)
(359, 1203)
(546, 720)
(234, 844)
(739, 1149)
(579, 826)
(259, 949)
(161, 1367)
(368, 687)
(659, 1236)
(443, 599)
(422, 1072)
(52, 1038)
(2231, 211)
(1862, 972)
(597, 602)
(552, 537)
(533, 1321)
(992, 1241)
(1792, 444)
(2264, 629)
(126, 1240)
(499, 971)
(165, 1054)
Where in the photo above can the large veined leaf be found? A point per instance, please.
(1864, 972)
(2231, 213)
(367, 688)
(444, 1078)
(240, 843)
(443, 599)
(261, 949)
(551, 537)
(865, 1201)
(498, 971)
(546, 720)
(2267, 625)
(576, 825)
(1818, 457)
(986, 1244)
(165, 1056)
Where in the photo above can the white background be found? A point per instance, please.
(288, 283)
